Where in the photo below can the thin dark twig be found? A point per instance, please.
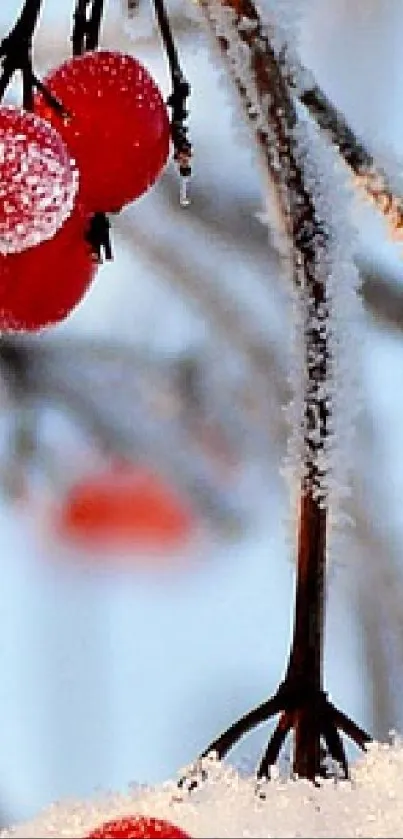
(26, 23)
(253, 718)
(94, 25)
(86, 25)
(166, 34)
(27, 86)
(334, 743)
(5, 79)
(85, 36)
(16, 51)
(98, 236)
(354, 732)
(49, 97)
(79, 26)
(179, 95)
(275, 744)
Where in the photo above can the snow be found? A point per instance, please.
(229, 803)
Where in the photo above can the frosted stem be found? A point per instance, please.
(269, 105)
(370, 177)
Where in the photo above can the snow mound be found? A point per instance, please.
(228, 804)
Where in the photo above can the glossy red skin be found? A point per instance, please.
(118, 129)
(138, 827)
(40, 286)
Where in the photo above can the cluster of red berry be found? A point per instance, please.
(102, 149)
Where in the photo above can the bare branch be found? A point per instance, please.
(370, 177)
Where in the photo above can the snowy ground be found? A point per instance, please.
(228, 805)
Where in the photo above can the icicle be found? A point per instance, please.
(184, 199)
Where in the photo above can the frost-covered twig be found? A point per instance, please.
(370, 177)
(270, 107)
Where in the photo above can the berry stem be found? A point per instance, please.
(87, 25)
(16, 55)
(79, 27)
(85, 37)
(94, 25)
(179, 95)
(26, 23)
(98, 237)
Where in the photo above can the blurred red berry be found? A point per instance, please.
(138, 827)
(125, 505)
(117, 128)
(41, 285)
(38, 180)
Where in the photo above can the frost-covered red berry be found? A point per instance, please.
(41, 285)
(138, 827)
(38, 180)
(117, 128)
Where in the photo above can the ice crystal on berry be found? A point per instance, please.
(38, 181)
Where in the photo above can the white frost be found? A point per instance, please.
(38, 181)
(325, 181)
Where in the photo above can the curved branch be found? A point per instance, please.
(370, 177)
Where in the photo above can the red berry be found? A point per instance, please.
(41, 285)
(138, 827)
(125, 505)
(117, 129)
(38, 180)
